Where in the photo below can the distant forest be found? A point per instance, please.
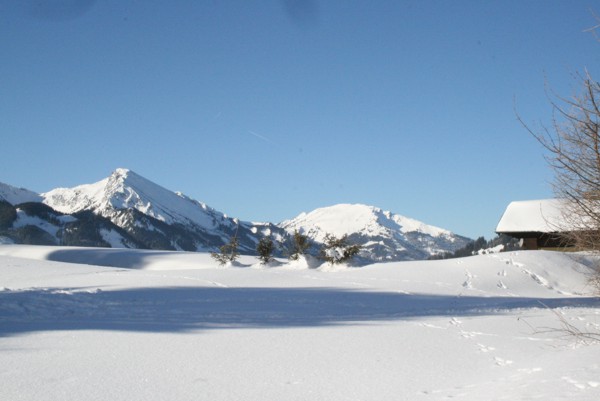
(482, 245)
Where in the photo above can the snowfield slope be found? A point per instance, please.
(174, 326)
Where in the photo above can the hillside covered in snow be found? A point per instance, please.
(174, 326)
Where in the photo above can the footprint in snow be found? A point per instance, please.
(468, 283)
(576, 383)
(503, 362)
(530, 371)
(484, 348)
(540, 280)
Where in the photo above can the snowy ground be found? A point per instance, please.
(174, 326)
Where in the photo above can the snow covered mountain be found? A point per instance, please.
(158, 217)
(14, 195)
(25, 219)
(384, 236)
(126, 210)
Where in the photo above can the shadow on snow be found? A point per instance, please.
(115, 257)
(184, 309)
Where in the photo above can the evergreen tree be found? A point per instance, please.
(480, 244)
(8, 214)
(228, 252)
(338, 250)
(265, 249)
(299, 246)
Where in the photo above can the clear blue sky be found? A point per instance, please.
(265, 109)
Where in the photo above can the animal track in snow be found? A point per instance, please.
(511, 261)
(540, 280)
(432, 326)
(469, 281)
(502, 362)
(530, 371)
(484, 348)
(577, 384)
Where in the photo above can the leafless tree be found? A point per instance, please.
(573, 152)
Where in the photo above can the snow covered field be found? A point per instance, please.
(150, 325)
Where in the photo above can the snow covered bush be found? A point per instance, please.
(338, 250)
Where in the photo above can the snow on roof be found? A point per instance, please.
(545, 215)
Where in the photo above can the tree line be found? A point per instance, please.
(334, 250)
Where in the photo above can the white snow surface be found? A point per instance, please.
(157, 325)
(345, 219)
(126, 189)
(14, 195)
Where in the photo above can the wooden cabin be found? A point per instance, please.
(538, 223)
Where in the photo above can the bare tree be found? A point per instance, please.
(573, 152)
(573, 146)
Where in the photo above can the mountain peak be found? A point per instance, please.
(344, 218)
(126, 175)
(121, 171)
(385, 234)
(125, 189)
(340, 219)
(155, 216)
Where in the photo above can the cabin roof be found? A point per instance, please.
(542, 216)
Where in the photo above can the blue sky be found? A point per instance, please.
(265, 109)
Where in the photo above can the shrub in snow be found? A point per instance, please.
(228, 252)
(299, 246)
(265, 250)
(338, 250)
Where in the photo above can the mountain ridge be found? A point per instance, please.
(147, 215)
(384, 235)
